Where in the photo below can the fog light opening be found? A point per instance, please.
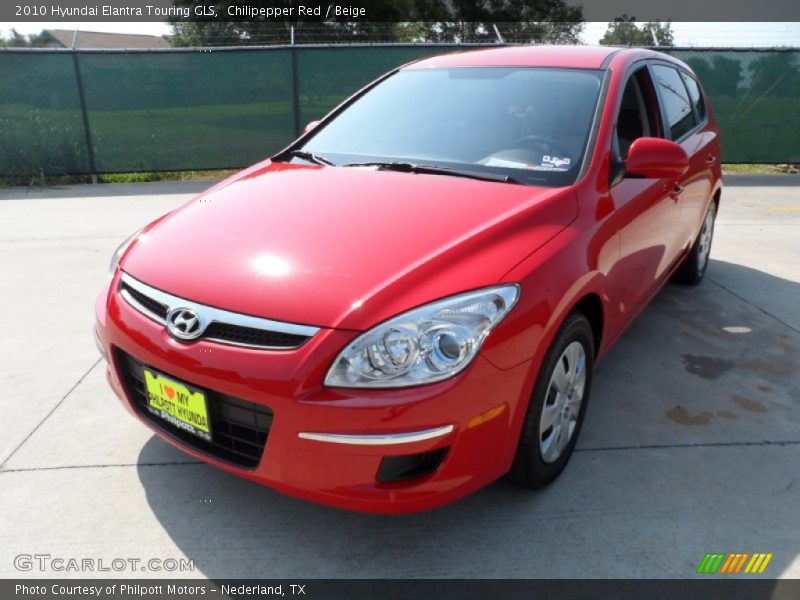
(410, 466)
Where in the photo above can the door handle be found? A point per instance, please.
(676, 191)
(711, 159)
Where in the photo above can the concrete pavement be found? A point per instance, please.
(691, 443)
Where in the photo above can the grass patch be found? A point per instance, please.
(755, 169)
(165, 176)
(141, 177)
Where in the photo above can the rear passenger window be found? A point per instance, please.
(695, 95)
(675, 99)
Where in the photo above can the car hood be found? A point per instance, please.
(343, 247)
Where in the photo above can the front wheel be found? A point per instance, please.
(693, 269)
(557, 406)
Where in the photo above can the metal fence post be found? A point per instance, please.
(85, 115)
(295, 92)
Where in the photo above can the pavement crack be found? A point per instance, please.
(754, 305)
(49, 414)
(691, 445)
(108, 466)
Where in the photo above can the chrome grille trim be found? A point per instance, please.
(210, 314)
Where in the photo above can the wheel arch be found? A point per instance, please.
(591, 307)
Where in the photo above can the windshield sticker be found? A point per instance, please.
(510, 164)
(549, 163)
(557, 162)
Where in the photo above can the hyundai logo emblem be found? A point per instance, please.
(184, 323)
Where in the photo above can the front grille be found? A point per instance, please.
(239, 428)
(248, 336)
(223, 326)
(152, 306)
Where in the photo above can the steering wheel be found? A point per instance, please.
(543, 142)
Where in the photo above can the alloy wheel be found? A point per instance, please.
(704, 245)
(563, 402)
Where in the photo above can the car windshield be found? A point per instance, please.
(530, 125)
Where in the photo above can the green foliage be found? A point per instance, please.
(623, 31)
(552, 21)
(143, 176)
(15, 39)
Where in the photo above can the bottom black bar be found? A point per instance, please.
(705, 587)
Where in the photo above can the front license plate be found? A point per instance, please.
(177, 403)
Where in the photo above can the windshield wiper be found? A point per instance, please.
(407, 167)
(309, 156)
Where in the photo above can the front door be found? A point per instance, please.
(647, 210)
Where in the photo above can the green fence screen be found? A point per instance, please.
(64, 112)
(756, 98)
(41, 128)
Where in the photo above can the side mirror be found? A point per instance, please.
(310, 126)
(654, 158)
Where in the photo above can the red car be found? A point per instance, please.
(409, 301)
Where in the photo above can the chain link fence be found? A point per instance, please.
(64, 112)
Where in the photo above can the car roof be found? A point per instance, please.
(577, 57)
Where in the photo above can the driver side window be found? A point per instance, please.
(637, 115)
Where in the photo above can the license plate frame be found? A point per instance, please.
(175, 402)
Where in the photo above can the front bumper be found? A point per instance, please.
(327, 445)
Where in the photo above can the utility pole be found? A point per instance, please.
(500, 39)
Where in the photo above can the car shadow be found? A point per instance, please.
(606, 509)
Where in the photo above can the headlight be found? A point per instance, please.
(112, 268)
(427, 344)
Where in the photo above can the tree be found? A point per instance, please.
(16, 40)
(661, 32)
(623, 31)
(395, 21)
(32, 40)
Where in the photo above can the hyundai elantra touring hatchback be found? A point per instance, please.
(409, 301)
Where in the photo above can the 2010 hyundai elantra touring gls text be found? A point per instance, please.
(408, 302)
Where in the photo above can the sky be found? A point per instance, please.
(685, 34)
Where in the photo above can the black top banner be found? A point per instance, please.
(376, 11)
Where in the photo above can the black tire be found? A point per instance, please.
(693, 269)
(529, 469)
